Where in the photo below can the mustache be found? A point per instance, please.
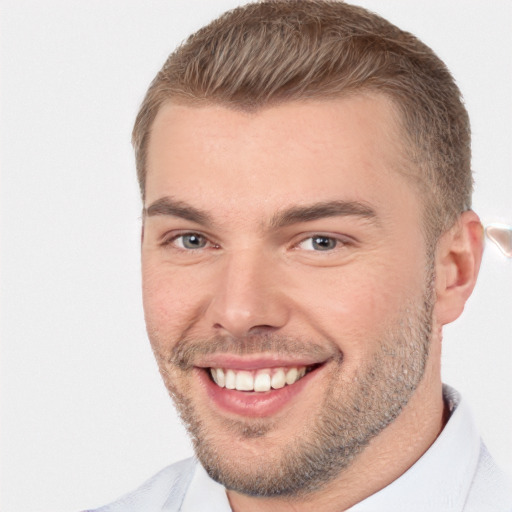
(187, 352)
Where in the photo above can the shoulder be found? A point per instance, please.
(167, 486)
(491, 489)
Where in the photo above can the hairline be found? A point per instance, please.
(405, 165)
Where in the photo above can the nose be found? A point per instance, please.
(248, 296)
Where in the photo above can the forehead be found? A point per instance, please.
(296, 152)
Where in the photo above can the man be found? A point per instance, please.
(305, 173)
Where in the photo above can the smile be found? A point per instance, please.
(261, 380)
(256, 389)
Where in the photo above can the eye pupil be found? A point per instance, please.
(323, 243)
(193, 241)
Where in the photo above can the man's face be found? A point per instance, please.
(283, 254)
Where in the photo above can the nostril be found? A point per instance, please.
(263, 329)
(241, 332)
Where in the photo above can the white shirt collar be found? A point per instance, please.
(439, 480)
(203, 493)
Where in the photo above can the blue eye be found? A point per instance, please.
(319, 243)
(191, 241)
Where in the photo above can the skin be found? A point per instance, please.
(255, 277)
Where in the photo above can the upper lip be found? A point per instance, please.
(235, 362)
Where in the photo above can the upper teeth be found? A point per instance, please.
(257, 380)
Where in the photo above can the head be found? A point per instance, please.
(305, 172)
(272, 52)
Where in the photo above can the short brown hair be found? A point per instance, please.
(273, 51)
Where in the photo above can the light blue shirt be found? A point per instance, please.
(456, 474)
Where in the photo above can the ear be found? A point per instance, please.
(458, 257)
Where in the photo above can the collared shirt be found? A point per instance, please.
(456, 474)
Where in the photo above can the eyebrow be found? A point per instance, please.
(173, 208)
(322, 210)
(287, 217)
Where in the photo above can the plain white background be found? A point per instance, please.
(85, 417)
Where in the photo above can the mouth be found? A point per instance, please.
(256, 390)
(261, 380)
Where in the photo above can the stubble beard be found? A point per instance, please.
(350, 416)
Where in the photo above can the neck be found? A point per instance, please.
(389, 455)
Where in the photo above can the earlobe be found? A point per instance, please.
(458, 257)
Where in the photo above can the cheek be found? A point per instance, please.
(171, 300)
(364, 292)
(353, 308)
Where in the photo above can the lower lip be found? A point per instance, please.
(251, 403)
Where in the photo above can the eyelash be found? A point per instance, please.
(172, 239)
(339, 242)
